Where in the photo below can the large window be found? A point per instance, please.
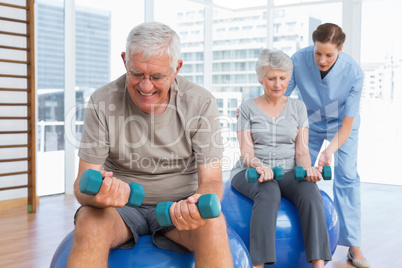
(101, 28)
(187, 19)
(381, 104)
(50, 94)
(234, 32)
(221, 41)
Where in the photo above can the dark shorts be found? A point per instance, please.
(142, 221)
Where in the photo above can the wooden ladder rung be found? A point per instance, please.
(15, 104)
(14, 61)
(13, 6)
(14, 187)
(14, 89)
(13, 33)
(14, 76)
(14, 146)
(15, 159)
(13, 20)
(14, 173)
(15, 117)
(15, 132)
(14, 48)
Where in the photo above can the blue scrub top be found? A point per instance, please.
(327, 100)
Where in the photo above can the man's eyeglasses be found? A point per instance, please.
(153, 78)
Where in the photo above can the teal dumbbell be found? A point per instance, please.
(91, 181)
(301, 173)
(252, 175)
(208, 205)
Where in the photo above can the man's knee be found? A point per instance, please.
(92, 224)
(213, 232)
(217, 225)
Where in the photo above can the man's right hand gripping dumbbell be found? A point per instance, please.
(209, 206)
(91, 182)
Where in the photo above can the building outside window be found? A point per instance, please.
(225, 63)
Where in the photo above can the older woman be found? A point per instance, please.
(273, 131)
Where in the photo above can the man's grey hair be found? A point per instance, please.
(274, 58)
(154, 39)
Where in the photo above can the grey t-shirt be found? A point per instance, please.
(160, 152)
(274, 139)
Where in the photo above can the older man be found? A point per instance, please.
(152, 127)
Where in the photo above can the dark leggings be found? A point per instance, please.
(267, 197)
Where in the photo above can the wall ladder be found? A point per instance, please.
(17, 99)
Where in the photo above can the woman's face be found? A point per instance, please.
(275, 82)
(325, 55)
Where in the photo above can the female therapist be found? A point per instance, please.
(330, 84)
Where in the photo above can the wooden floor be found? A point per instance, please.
(29, 240)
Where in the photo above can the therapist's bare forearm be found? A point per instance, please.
(342, 135)
(339, 139)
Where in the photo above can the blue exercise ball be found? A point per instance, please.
(289, 241)
(146, 254)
